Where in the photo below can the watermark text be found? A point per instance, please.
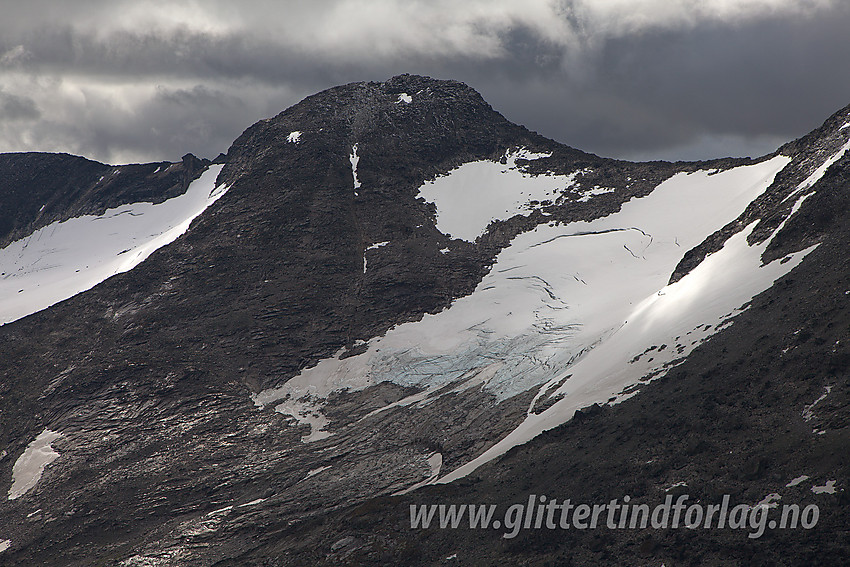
(541, 512)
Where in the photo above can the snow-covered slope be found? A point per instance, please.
(476, 193)
(66, 258)
(586, 300)
(416, 286)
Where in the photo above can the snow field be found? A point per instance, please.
(69, 257)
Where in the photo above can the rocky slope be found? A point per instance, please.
(162, 382)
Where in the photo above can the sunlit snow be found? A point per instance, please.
(294, 137)
(690, 309)
(476, 193)
(27, 470)
(372, 247)
(305, 412)
(590, 193)
(585, 299)
(820, 171)
(808, 411)
(314, 472)
(66, 258)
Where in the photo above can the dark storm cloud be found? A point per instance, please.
(669, 93)
(122, 81)
(14, 107)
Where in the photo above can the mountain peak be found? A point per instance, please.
(410, 112)
(388, 285)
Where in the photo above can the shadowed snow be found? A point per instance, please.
(828, 488)
(435, 462)
(27, 470)
(797, 480)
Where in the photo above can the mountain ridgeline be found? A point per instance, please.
(390, 295)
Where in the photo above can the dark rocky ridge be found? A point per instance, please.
(771, 208)
(148, 374)
(37, 189)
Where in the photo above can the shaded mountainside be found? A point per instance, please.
(37, 189)
(322, 245)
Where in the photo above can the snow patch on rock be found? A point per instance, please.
(808, 412)
(798, 480)
(354, 159)
(828, 488)
(820, 171)
(316, 471)
(27, 470)
(435, 462)
(769, 501)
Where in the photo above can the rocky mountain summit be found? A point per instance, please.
(390, 295)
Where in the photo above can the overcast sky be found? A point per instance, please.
(125, 81)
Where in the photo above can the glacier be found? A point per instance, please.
(586, 300)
